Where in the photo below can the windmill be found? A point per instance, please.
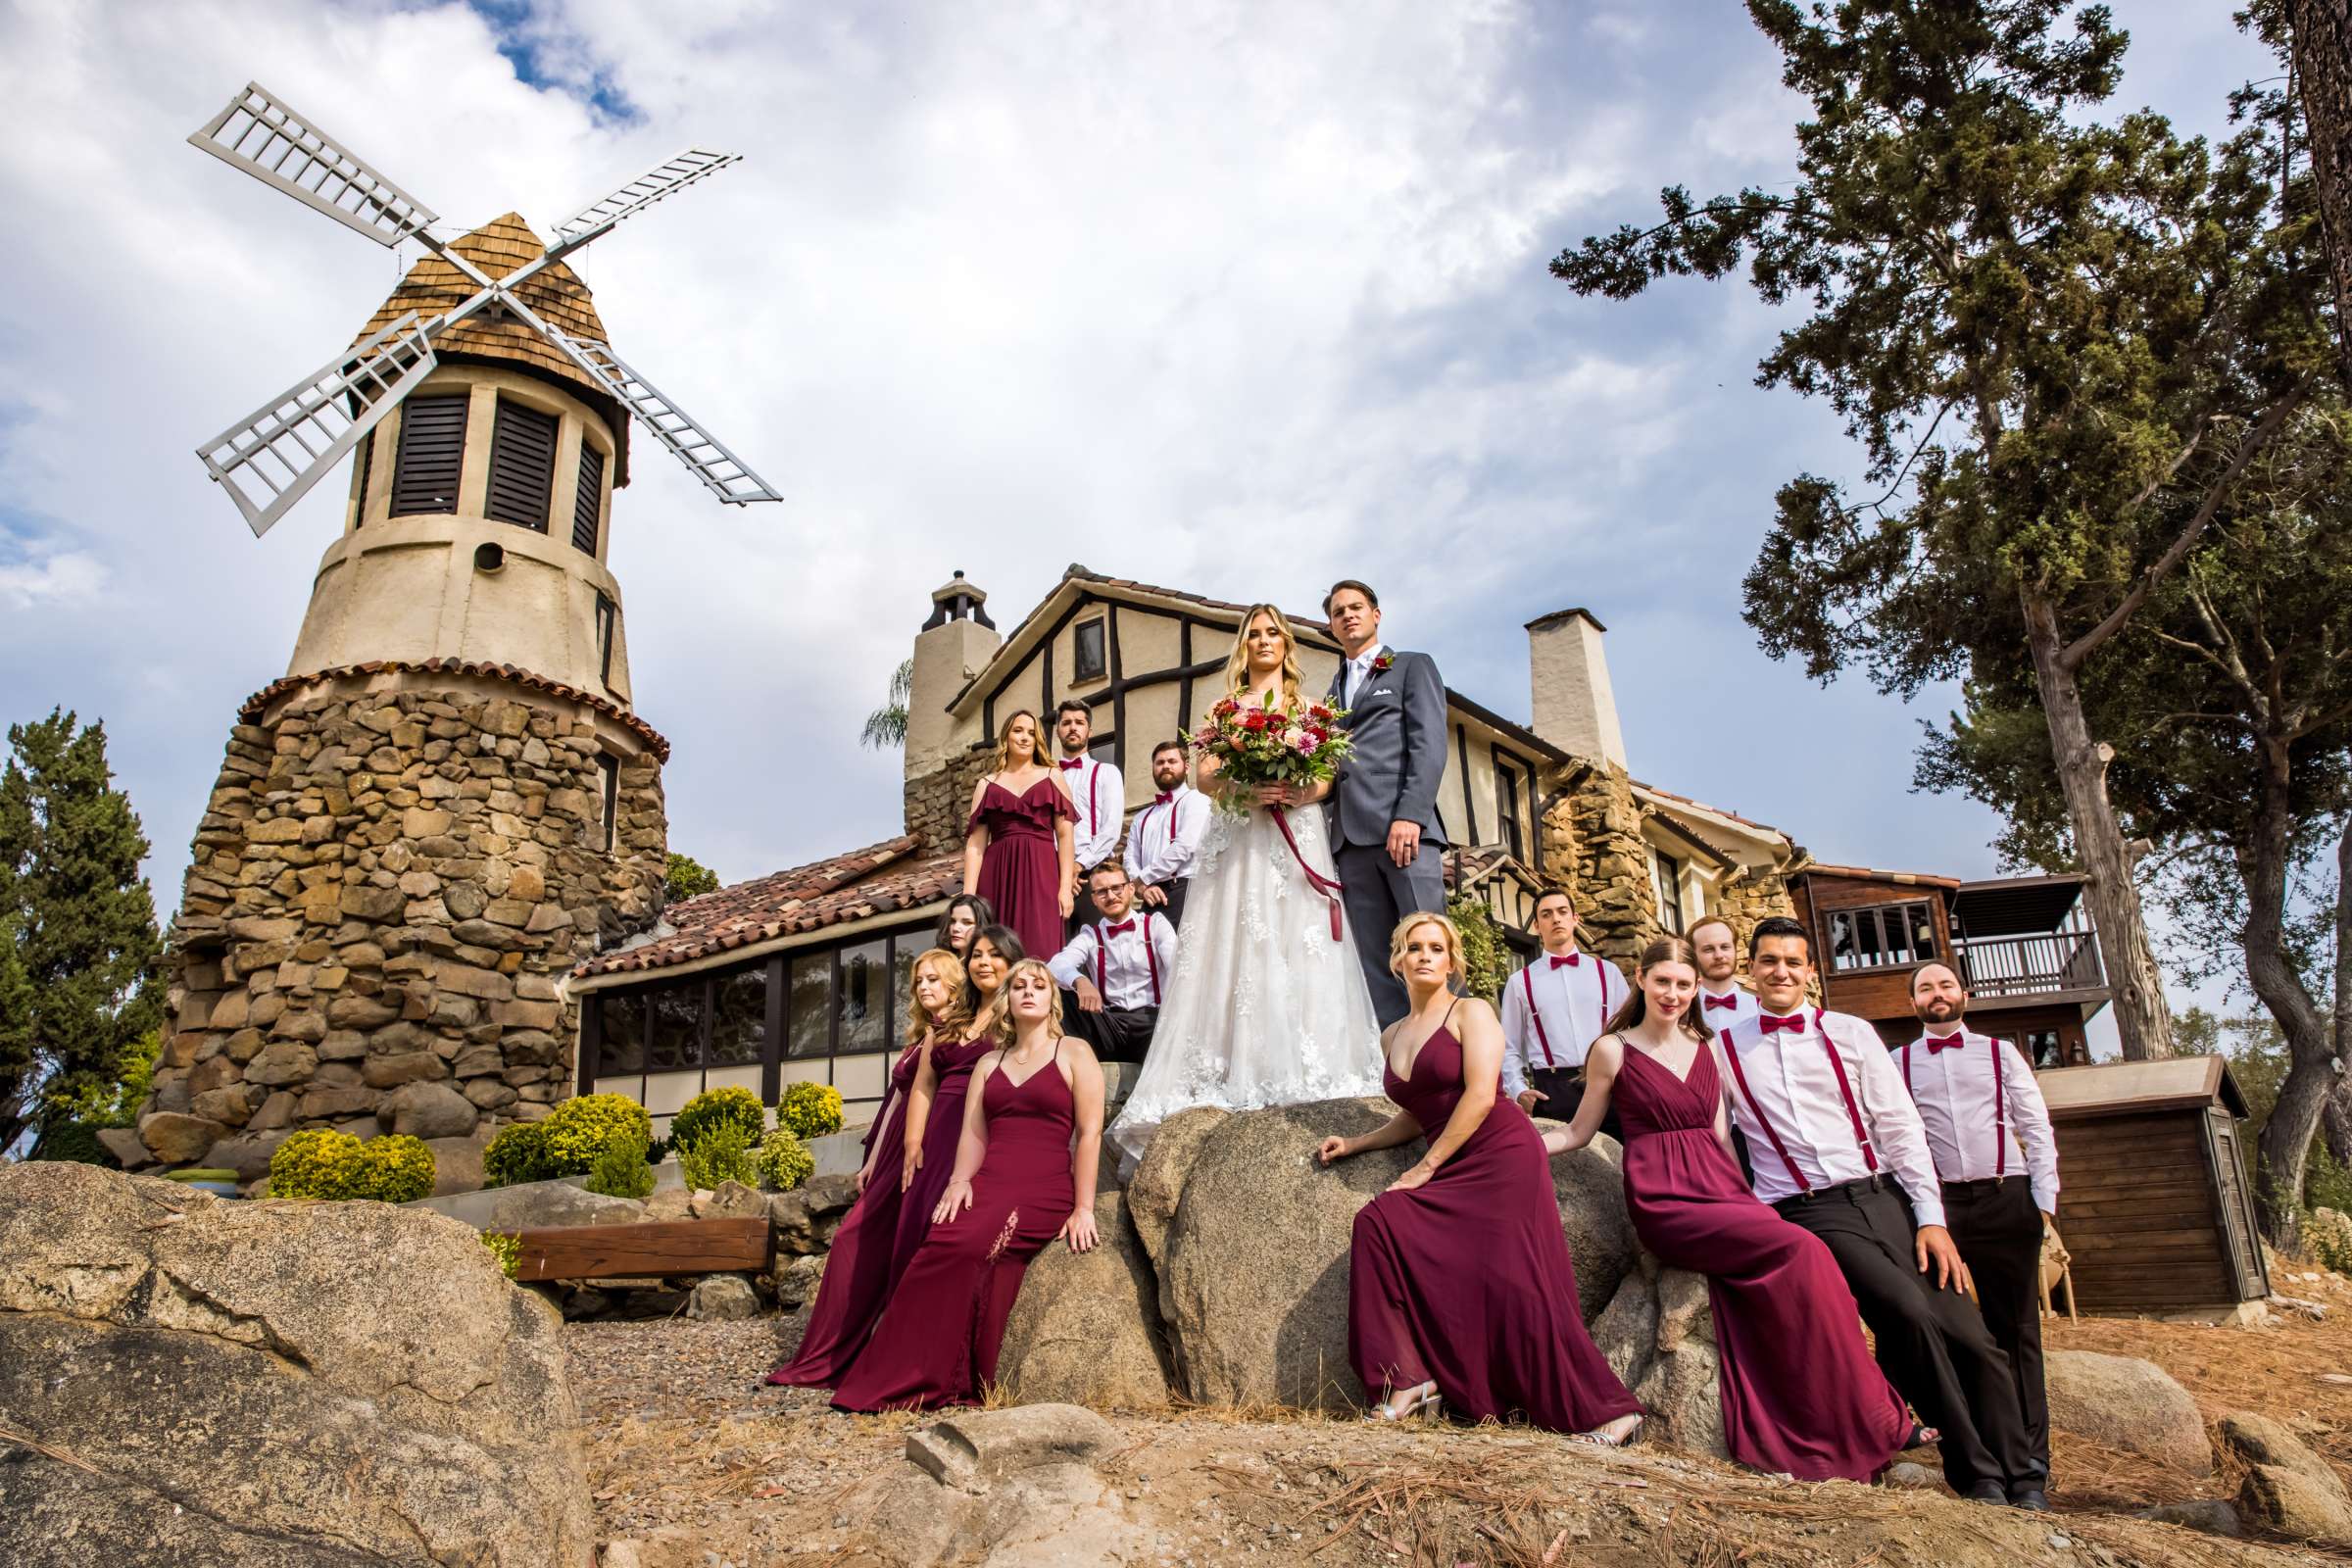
(271, 458)
(449, 800)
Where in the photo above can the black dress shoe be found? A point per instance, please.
(1988, 1492)
(2030, 1499)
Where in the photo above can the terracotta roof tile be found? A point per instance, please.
(261, 699)
(874, 880)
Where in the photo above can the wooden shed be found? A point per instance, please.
(2153, 1198)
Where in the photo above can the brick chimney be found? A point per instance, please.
(951, 649)
(1574, 707)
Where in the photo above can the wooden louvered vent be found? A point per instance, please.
(366, 470)
(588, 504)
(522, 465)
(432, 455)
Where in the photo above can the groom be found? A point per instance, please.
(1386, 838)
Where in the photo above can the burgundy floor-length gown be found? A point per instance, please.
(1020, 870)
(952, 1067)
(858, 1270)
(1467, 1280)
(937, 1339)
(1800, 1393)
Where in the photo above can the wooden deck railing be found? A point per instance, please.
(2010, 967)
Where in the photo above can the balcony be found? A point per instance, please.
(2030, 966)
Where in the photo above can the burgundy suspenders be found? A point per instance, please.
(1845, 1092)
(1103, 950)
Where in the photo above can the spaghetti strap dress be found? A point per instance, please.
(1020, 870)
(1800, 1393)
(1467, 1280)
(952, 1067)
(937, 1339)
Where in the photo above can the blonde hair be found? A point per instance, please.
(1237, 663)
(1665, 950)
(952, 1018)
(1037, 740)
(1414, 922)
(1000, 1006)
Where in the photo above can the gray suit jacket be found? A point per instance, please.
(1391, 775)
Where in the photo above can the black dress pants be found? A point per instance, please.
(1117, 1034)
(1998, 1232)
(1932, 1342)
(1172, 911)
(1563, 1090)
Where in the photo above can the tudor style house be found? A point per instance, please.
(801, 975)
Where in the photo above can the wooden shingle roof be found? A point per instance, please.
(554, 293)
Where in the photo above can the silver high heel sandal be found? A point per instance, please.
(1406, 1411)
(1600, 1440)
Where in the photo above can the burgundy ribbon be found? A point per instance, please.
(1322, 884)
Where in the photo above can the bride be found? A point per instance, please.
(1266, 1007)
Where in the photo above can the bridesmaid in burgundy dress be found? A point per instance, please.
(1800, 1393)
(958, 924)
(1020, 1183)
(857, 1273)
(935, 1104)
(1460, 1288)
(1018, 847)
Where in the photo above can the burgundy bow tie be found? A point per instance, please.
(1795, 1024)
(1565, 960)
(1069, 763)
(1938, 1043)
(1163, 797)
(1723, 1002)
(1120, 929)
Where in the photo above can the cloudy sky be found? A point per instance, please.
(1232, 297)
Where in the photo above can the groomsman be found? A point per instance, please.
(1166, 835)
(1834, 1134)
(1553, 1010)
(1388, 840)
(1098, 792)
(1998, 1159)
(1113, 972)
(1722, 1001)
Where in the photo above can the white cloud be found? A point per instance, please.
(68, 577)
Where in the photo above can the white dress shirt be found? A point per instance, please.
(1719, 1018)
(1167, 834)
(1130, 968)
(1573, 1002)
(1786, 1097)
(1356, 672)
(1101, 796)
(1974, 1132)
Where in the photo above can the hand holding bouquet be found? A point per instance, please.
(1270, 742)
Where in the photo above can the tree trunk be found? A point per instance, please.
(2142, 1015)
(2312, 1071)
(2323, 56)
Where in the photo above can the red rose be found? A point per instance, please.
(1320, 713)
(1254, 719)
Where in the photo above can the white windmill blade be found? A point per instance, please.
(662, 180)
(270, 458)
(260, 133)
(723, 473)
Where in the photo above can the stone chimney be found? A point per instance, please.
(953, 646)
(1574, 707)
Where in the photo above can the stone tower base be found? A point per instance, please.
(398, 866)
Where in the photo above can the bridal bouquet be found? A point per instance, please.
(1271, 743)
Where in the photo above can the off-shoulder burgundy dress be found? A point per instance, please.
(1800, 1393)
(1467, 1280)
(858, 1270)
(937, 1339)
(1020, 871)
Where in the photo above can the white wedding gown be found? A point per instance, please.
(1264, 1008)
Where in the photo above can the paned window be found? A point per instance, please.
(1506, 809)
(1882, 936)
(1090, 656)
(1666, 878)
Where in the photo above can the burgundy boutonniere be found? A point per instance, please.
(1380, 666)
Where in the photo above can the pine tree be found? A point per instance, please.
(79, 981)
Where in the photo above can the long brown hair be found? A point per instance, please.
(951, 1019)
(1037, 740)
(1665, 950)
(1237, 663)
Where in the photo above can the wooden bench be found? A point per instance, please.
(651, 1249)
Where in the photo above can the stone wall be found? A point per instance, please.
(386, 889)
(939, 803)
(1759, 893)
(1595, 827)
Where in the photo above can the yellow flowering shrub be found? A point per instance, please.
(712, 1107)
(582, 1128)
(323, 1163)
(809, 1110)
(784, 1161)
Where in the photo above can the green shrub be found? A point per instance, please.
(721, 1155)
(2327, 1238)
(518, 1154)
(508, 1250)
(581, 1129)
(657, 1152)
(323, 1163)
(711, 1106)
(2326, 1184)
(1485, 961)
(76, 1141)
(620, 1171)
(809, 1110)
(784, 1161)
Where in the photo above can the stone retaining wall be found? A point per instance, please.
(939, 804)
(386, 886)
